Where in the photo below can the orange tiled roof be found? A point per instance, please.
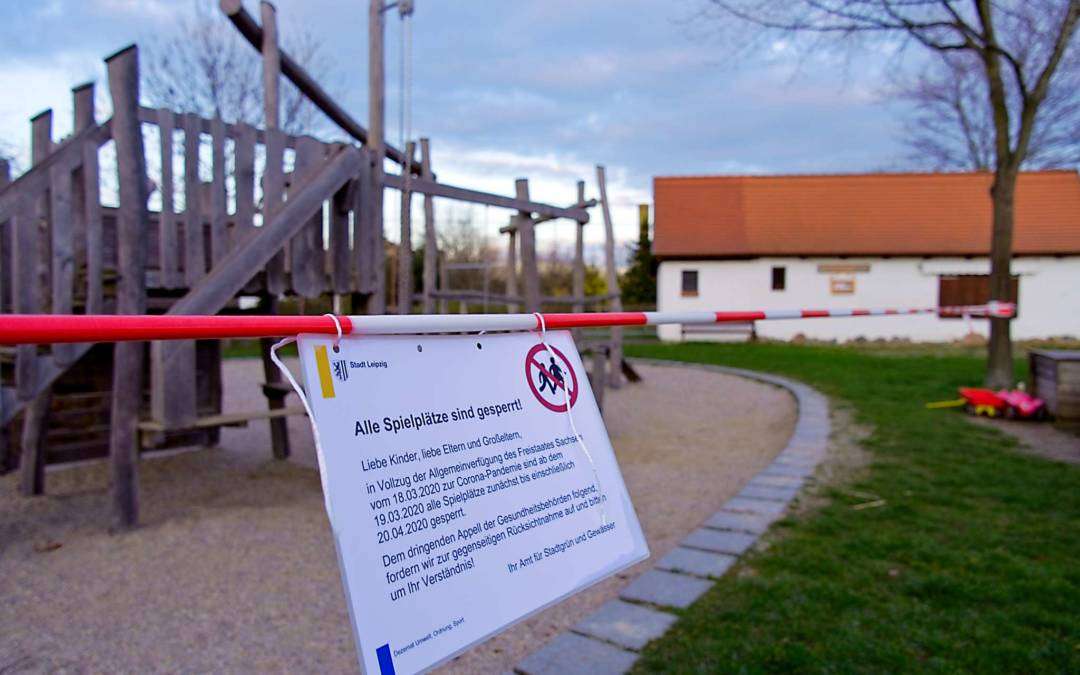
(863, 214)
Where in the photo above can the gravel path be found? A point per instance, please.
(234, 568)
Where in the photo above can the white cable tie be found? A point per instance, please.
(573, 426)
(337, 324)
(311, 418)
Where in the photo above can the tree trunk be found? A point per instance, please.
(999, 371)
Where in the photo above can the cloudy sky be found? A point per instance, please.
(537, 88)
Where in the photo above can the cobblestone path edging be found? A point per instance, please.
(608, 640)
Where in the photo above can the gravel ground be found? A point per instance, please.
(1039, 438)
(234, 567)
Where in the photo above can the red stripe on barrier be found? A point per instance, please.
(815, 313)
(52, 328)
(726, 317)
(860, 312)
(594, 320)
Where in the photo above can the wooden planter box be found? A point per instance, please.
(1055, 378)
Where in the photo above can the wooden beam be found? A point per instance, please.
(477, 197)
(132, 226)
(231, 419)
(256, 36)
(479, 296)
(581, 204)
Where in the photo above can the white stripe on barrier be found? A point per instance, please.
(657, 318)
(783, 314)
(440, 323)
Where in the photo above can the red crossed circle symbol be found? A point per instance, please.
(534, 367)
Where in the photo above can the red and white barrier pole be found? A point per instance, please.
(55, 328)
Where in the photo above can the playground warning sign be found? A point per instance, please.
(551, 377)
(460, 501)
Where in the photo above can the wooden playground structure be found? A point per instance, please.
(281, 216)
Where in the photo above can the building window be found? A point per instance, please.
(958, 290)
(779, 278)
(689, 283)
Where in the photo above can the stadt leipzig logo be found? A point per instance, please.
(549, 375)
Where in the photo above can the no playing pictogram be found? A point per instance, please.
(548, 374)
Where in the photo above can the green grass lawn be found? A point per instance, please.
(972, 564)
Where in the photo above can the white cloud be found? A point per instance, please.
(156, 10)
(33, 86)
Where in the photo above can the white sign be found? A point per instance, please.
(461, 499)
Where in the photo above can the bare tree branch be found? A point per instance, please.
(204, 67)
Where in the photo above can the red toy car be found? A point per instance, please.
(1013, 404)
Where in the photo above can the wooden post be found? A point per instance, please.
(273, 389)
(219, 235)
(273, 174)
(62, 231)
(168, 241)
(82, 119)
(377, 146)
(5, 248)
(444, 284)
(133, 219)
(194, 251)
(339, 244)
(530, 272)
(306, 249)
(6, 459)
(431, 243)
(244, 175)
(597, 378)
(512, 270)
(405, 277)
(6, 273)
(579, 268)
(173, 364)
(363, 236)
(579, 256)
(33, 242)
(615, 377)
(91, 203)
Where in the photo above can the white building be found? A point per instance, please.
(864, 241)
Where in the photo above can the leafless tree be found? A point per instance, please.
(1018, 46)
(204, 66)
(948, 124)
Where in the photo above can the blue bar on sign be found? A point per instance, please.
(386, 661)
